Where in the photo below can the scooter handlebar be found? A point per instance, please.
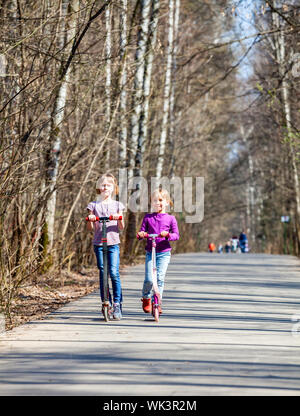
(110, 218)
(146, 235)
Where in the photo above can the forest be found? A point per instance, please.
(156, 89)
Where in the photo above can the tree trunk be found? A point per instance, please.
(138, 83)
(282, 60)
(69, 23)
(250, 201)
(167, 90)
(172, 98)
(107, 78)
(143, 123)
(136, 112)
(123, 80)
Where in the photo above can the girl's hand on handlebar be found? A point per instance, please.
(164, 234)
(116, 217)
(92, 218)
(142, 234)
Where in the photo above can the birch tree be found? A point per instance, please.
(167, 90)
(122, 87)
(250, 201)
(143, 122)
(69, 41)
(108, 47)
(66, 35)
(282, 61)
(172, 98)
(137, 98)
(138, 83)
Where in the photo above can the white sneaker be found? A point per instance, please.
(117, 314)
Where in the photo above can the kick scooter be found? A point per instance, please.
(156, 295)
(106, 308)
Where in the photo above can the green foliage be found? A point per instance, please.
(293, 140)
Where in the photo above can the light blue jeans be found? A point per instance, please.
(113, 254)
(162, 262)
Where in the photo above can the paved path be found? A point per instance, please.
(227, 329)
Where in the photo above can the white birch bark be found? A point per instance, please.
(123, 80)
(282, 59)
(250, 199)
(172, 98)
(137, 100)
(147, 83)
(108, 74)
(138, 83)
(167, 89)
(69, 20)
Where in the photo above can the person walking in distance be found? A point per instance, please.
(211, 247)
(243, 241)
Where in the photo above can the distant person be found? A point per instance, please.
(243, 242)
(211, 247)
(220, 248)
(234, 244)
(227, 247)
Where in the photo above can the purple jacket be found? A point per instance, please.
(155, 223)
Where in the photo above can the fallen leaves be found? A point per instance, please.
(36, 301)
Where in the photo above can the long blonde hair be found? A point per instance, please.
(112, 178)
(164, 194)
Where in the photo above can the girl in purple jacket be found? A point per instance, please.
(165, 225)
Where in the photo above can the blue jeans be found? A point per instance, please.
(162, 262)
(113, 254)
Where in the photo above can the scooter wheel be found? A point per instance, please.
(106, 312)
(156, 313)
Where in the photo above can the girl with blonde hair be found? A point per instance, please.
(106, 206)
(165, 225)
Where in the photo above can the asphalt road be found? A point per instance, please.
(231, 326)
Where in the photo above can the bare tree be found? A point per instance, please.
(144, 116)
(123, 81)
(108, 69)
(66, 37)
(282, 60)
(167, 92)
(173, 82)
(138, 83)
